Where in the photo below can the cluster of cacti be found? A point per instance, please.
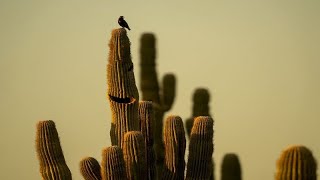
(231, 169)
(162, 97)
(137, 130)
(296, 162)
(52, 163)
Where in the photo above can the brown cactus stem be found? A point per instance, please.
(175, 146)
(162, 98)
(296, 162)
(52, 163)
(200, 149)
(200, 107)
(122, 91)
(231, 168)
(134, 155)
(90, 168)
(112, 165)
(146, 116)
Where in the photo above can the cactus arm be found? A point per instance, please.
(90, 168)
(112, 164)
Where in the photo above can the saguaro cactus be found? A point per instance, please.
(296, 162)
(112, 165)
(201, 99)
(134, 155)
(90, 168)
(200, 149)
(52, 163)
(230, 169)
(146, 116)
(122, 91)
(175, 146)
(162, 98)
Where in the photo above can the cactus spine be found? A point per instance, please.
(49, 151)
(146, 116)
(230, 169)
(122, 91)
(296, 162)
(150, 89)
(134, 155)
(90, 168)
(200, 149)
(175, 146)
(112, 165)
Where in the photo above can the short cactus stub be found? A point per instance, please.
(112, 165)
(90, 168)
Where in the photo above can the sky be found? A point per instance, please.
(258, 58)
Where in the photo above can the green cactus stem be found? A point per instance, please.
(112, 165)
(122, 92)
(90, 168)
(175, 146)
(134, 155)
(52, 163)
(201, 99)
(162, 98)
(231, 168)
(296, 162)
(200, 149)
(146, 116)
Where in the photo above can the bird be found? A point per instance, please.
(123, 23)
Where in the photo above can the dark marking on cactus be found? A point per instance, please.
(126, 100)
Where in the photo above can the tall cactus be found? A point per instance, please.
(296, 162)
(200, 149)
(175, 146)
(121, 91)
(201, 99)
(146, 116)
(162, 98)
(52, 163)
(112, 164)
(90, 168)
(134, 155)
(231, 169)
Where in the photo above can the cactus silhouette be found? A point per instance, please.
(134, 155)
(230, 169)
(162, 98)
(121, 88)
(296, 162)
(146, 117)
(49, 151)
(199, 164)
(90, 168)
(112, 164)
(201, 99)
(175, 146)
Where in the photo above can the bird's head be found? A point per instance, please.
(121, 17)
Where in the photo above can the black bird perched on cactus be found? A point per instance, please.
(123, 23)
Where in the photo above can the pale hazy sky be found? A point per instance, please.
(259, 59)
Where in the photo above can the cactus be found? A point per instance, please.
(49, 151)
(201, 99)
(175, 146)
(296, 162)
(90, 168)
(150, 89)
(121, 91)
(112, 165)
(134, 155)
(230, 169)
(146, 116)
(200, 149)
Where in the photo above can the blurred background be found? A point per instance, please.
(258, 59)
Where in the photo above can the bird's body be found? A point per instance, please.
(123, 23)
